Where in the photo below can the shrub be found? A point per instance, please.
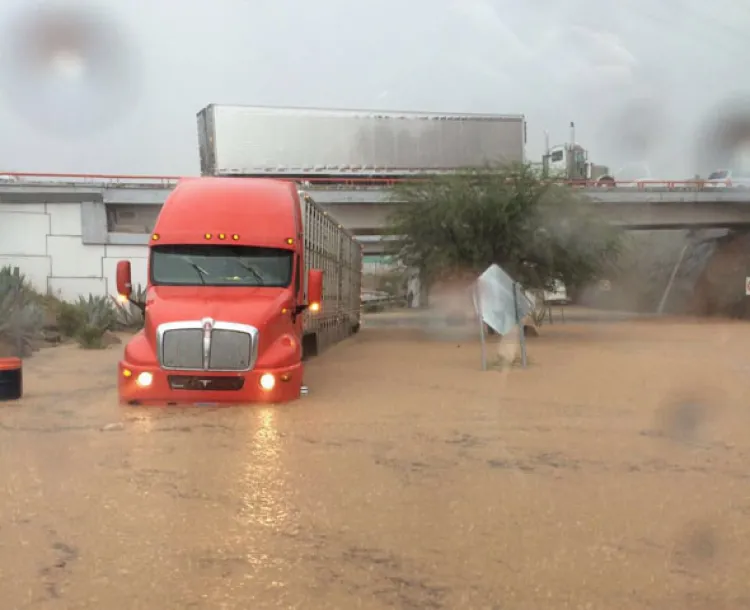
(21, 317)
(11, 277)
(98, 311)
(91, 337)
(99, 316)
(70, 319)
(87, 320)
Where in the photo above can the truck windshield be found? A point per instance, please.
(214, 265)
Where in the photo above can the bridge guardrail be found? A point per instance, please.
(342, 181)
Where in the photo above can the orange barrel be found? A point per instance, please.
(11, 378)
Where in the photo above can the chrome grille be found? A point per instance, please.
(230, 351)
(205, 345)
(183, 349)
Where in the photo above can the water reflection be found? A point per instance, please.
(266, 496)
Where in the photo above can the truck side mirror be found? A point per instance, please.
(314, 289)
(125, 285)
(124, 282)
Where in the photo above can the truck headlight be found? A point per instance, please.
(145, 379)
(267, 382)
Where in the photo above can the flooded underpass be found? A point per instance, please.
(611, 473)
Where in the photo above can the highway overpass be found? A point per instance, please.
(132, 203)
(372, 219)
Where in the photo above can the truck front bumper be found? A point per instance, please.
(139, 385)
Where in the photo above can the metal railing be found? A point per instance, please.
(338, 181)
(102, 180)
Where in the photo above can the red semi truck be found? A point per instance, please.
(246, 277)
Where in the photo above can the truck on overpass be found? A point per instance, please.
(305, 142)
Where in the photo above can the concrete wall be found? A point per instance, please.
(46, 241)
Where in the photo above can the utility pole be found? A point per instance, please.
(571, 157)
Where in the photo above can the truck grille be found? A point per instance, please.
(182, 349)
(205, 345)
(230, 351)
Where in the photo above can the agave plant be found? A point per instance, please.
(95, 316)
(129, 316)
(11, 279)
(98, 312)
(21, 319)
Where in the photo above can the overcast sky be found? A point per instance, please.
(638, 77)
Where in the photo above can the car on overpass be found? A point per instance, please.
(631, 175)
(729, 178)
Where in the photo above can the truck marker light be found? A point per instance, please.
(127, 373)
(284, 310)
(289, 240)
(145, 379)
(155, 237)
(285, 377)
(222, 236)
(235, 237)
(267, 382)
(314, 307)
(207, 236)
(122, 299)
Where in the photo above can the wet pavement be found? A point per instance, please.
(612, 473)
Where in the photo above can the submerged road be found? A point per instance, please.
(407, 479)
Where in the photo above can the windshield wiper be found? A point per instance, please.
(253, 271)
(202, 273)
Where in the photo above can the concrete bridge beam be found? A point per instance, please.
(373, 218)
(668, 215)
(361, 217)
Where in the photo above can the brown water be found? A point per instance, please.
(612, 473)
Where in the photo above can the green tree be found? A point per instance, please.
(536, 230)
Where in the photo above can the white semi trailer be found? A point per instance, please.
(256, 140)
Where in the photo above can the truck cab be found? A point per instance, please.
(570, 162)
(227, 296)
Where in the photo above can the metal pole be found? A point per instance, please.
(672, 277)
(478, 308)
(522, 334)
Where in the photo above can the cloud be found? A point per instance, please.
(603, 47)
(481, 14)
(553, 60)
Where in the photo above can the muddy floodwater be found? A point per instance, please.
(614, 472)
